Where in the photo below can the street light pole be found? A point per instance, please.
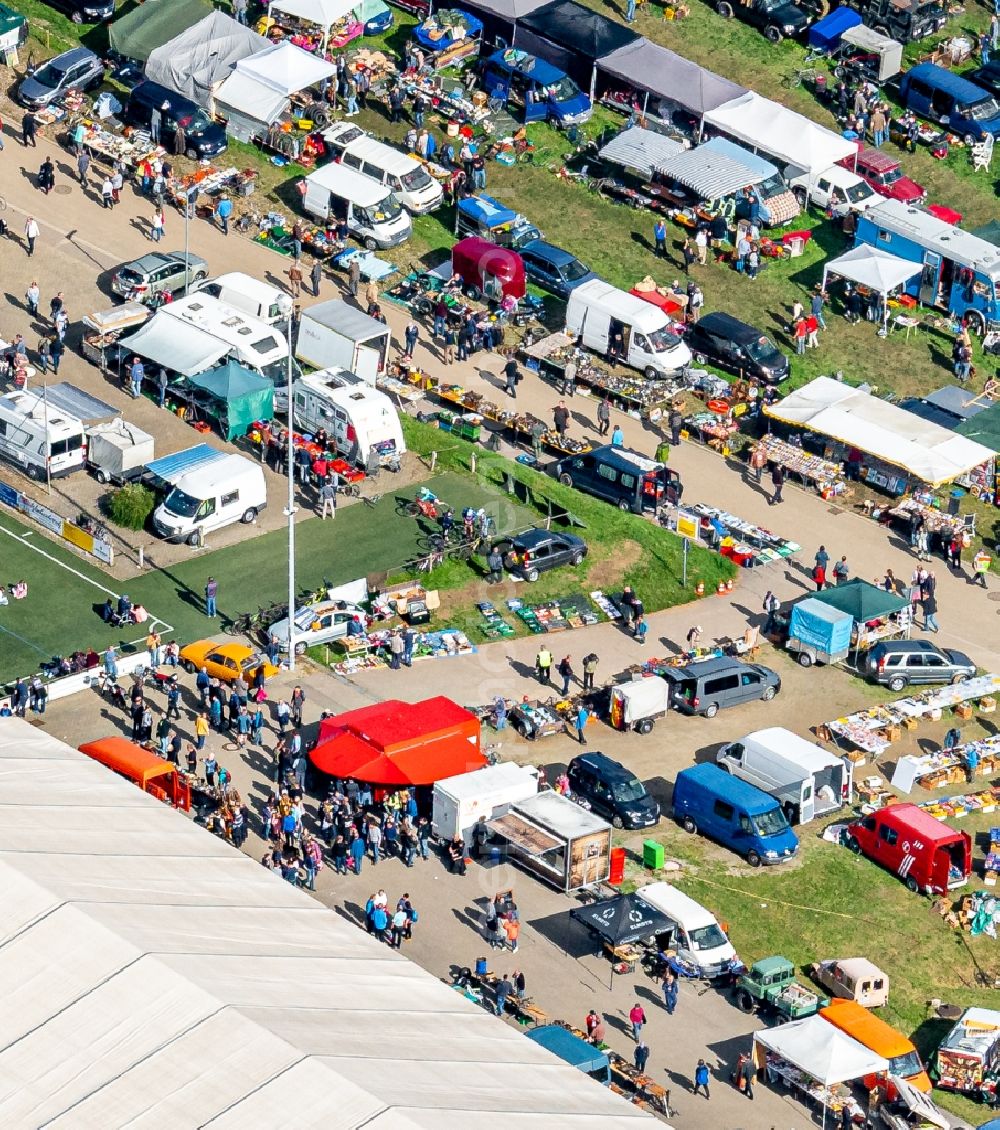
(290, 510)
(187, 240)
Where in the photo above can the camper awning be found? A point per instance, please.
(781, 133)
(822, 1051)
(173, 466)
(79, 404)
(665, 74)
(930, 453)
(523, 834)
(186, 350)
(644, 150)
(717, 169)
(872, 267)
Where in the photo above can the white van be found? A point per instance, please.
(407, 178)
(33, 434)
(372, 212)
(698, 937)
(245, 293)
(361, 421)
(596, 311)
(807, 780)
(836, 190)
(214, 494)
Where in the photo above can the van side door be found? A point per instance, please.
(944, 110)
(751, 686)
(889, 853)
(229, 507)
(606, 483)
(722, 822)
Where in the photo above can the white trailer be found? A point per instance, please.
(458, 802)
(336, 335)
(117, 452)
(637, 704)
(361, 422)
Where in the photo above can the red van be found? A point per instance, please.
(884, 173)
(924, 852)
(488, 271)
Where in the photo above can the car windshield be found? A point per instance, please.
(663, 340)
(890, 176)
(384, 212)
(574, 270)
(707, 938)
(563, 90)
(762, 349)
(181, 504)
(627, 792)
(773, 186)
(195, 123)
(51, 75)
(983, 111)
(770, 823)
(859, 192)
(905, 1066)
(415, 181)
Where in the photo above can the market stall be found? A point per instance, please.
(901, 448)
(232, 396)
(948, 766)
(940, 525)
(625, 926)
(818, 1060)
(877, 614)
(744, 543)
(107, 326)
(874, 271)
(313, 25)
(823, 475)
(534, 719)
(109, 148)
(195, 62)
(448, 36)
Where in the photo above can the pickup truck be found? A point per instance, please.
(769, 987)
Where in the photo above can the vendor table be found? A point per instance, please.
(537, 719)
(711, 428)
(943, 526)
(834, 1098)
(824, 476)
(947, 766)
(109, 147)
(108, 326)
(522, 426)
(746, 544)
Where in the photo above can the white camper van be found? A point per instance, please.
(698, 937)
(34, 434)
(213, 494)
(372, 212)
(596, 311)
(807, 780)
(362, 422)
(405, 176)
(243, 292)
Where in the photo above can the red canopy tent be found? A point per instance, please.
(400, 743)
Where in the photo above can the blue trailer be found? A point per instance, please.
(818, 633)
(959, 271)
(488, 218)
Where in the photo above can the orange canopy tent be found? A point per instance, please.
(152, 774)
(399, 744)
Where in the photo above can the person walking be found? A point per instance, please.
(565, 669)
(32, 296)
(640, 1057)
(30, 234)
(354, 277)
(560, 418)
(511, 375)
(701, 245)
(82, 165)
(28, 127)
(980, 567)
(543, 665)
(240, 11)
(636, 1018)
(590, 662)
(294, 274)
(701, 1078)
(582, 718)
(56, 350)
(930, 612)
(675, 421)
(494, 562)
(670, 990)
(211, 593)
(660, 238)
(746, 1073)
(603, 417)
(504, 990)
(411, 336)
(617, 436)
(841, 571)
(223, 212)
(136, 375)
(328, 499)
(777, 481)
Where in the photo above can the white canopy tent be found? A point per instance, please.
(155, 976)
(323, 13)
(928, 452)
(779, 132)
(874, 268)
(257, 92)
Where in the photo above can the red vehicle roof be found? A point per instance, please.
(920, 823)
(473, 257)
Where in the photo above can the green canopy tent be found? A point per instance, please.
(984, 427)
(138, 33)
(234, 396)
(861, 600)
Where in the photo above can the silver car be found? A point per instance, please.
(317, 623)
(76, 69)
(156, 273)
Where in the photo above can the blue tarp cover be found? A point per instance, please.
(818, 625)
(569, 1048)
(486, 211)
(170, 466)
(825, 33)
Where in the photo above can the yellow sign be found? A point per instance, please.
(687, 525)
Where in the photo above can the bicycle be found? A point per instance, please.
(805, 76)
(371, 500)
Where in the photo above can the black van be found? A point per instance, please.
(709, 685)
(732, 345)
(612, 791)
(627, 478)
(205, 138)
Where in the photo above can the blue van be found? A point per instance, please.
(953, 101)
(738, 815)
(535, 89)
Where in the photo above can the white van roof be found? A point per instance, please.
(677, 905)
(361, 190)
(30, 407)
(807, 754)
(245, 284)
(619, 304)
(382, 155)
(254, 339)
(219, 473)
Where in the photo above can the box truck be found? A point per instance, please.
(334, 334)
(362, 423)
(459, 802)
(807, 780)
(597, 312)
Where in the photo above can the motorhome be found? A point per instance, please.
(217, 491)
(362, 422)
(598, 311)
(373, 213)
(404, 175)
(39, 438)
(243, 292)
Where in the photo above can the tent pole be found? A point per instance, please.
(593, 82)
(645, 103)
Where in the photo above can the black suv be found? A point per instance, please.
(612, 791)
(903, 20)
(85, 11)
(775, 18)
(732, 345)
(902, 663)
(536, 550)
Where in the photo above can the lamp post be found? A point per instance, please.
(287, 308)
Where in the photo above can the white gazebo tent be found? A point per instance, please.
(259, 88)
(819, 1050)
(322, 13)
(874, 268)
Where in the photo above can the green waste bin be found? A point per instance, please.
(652, 855)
